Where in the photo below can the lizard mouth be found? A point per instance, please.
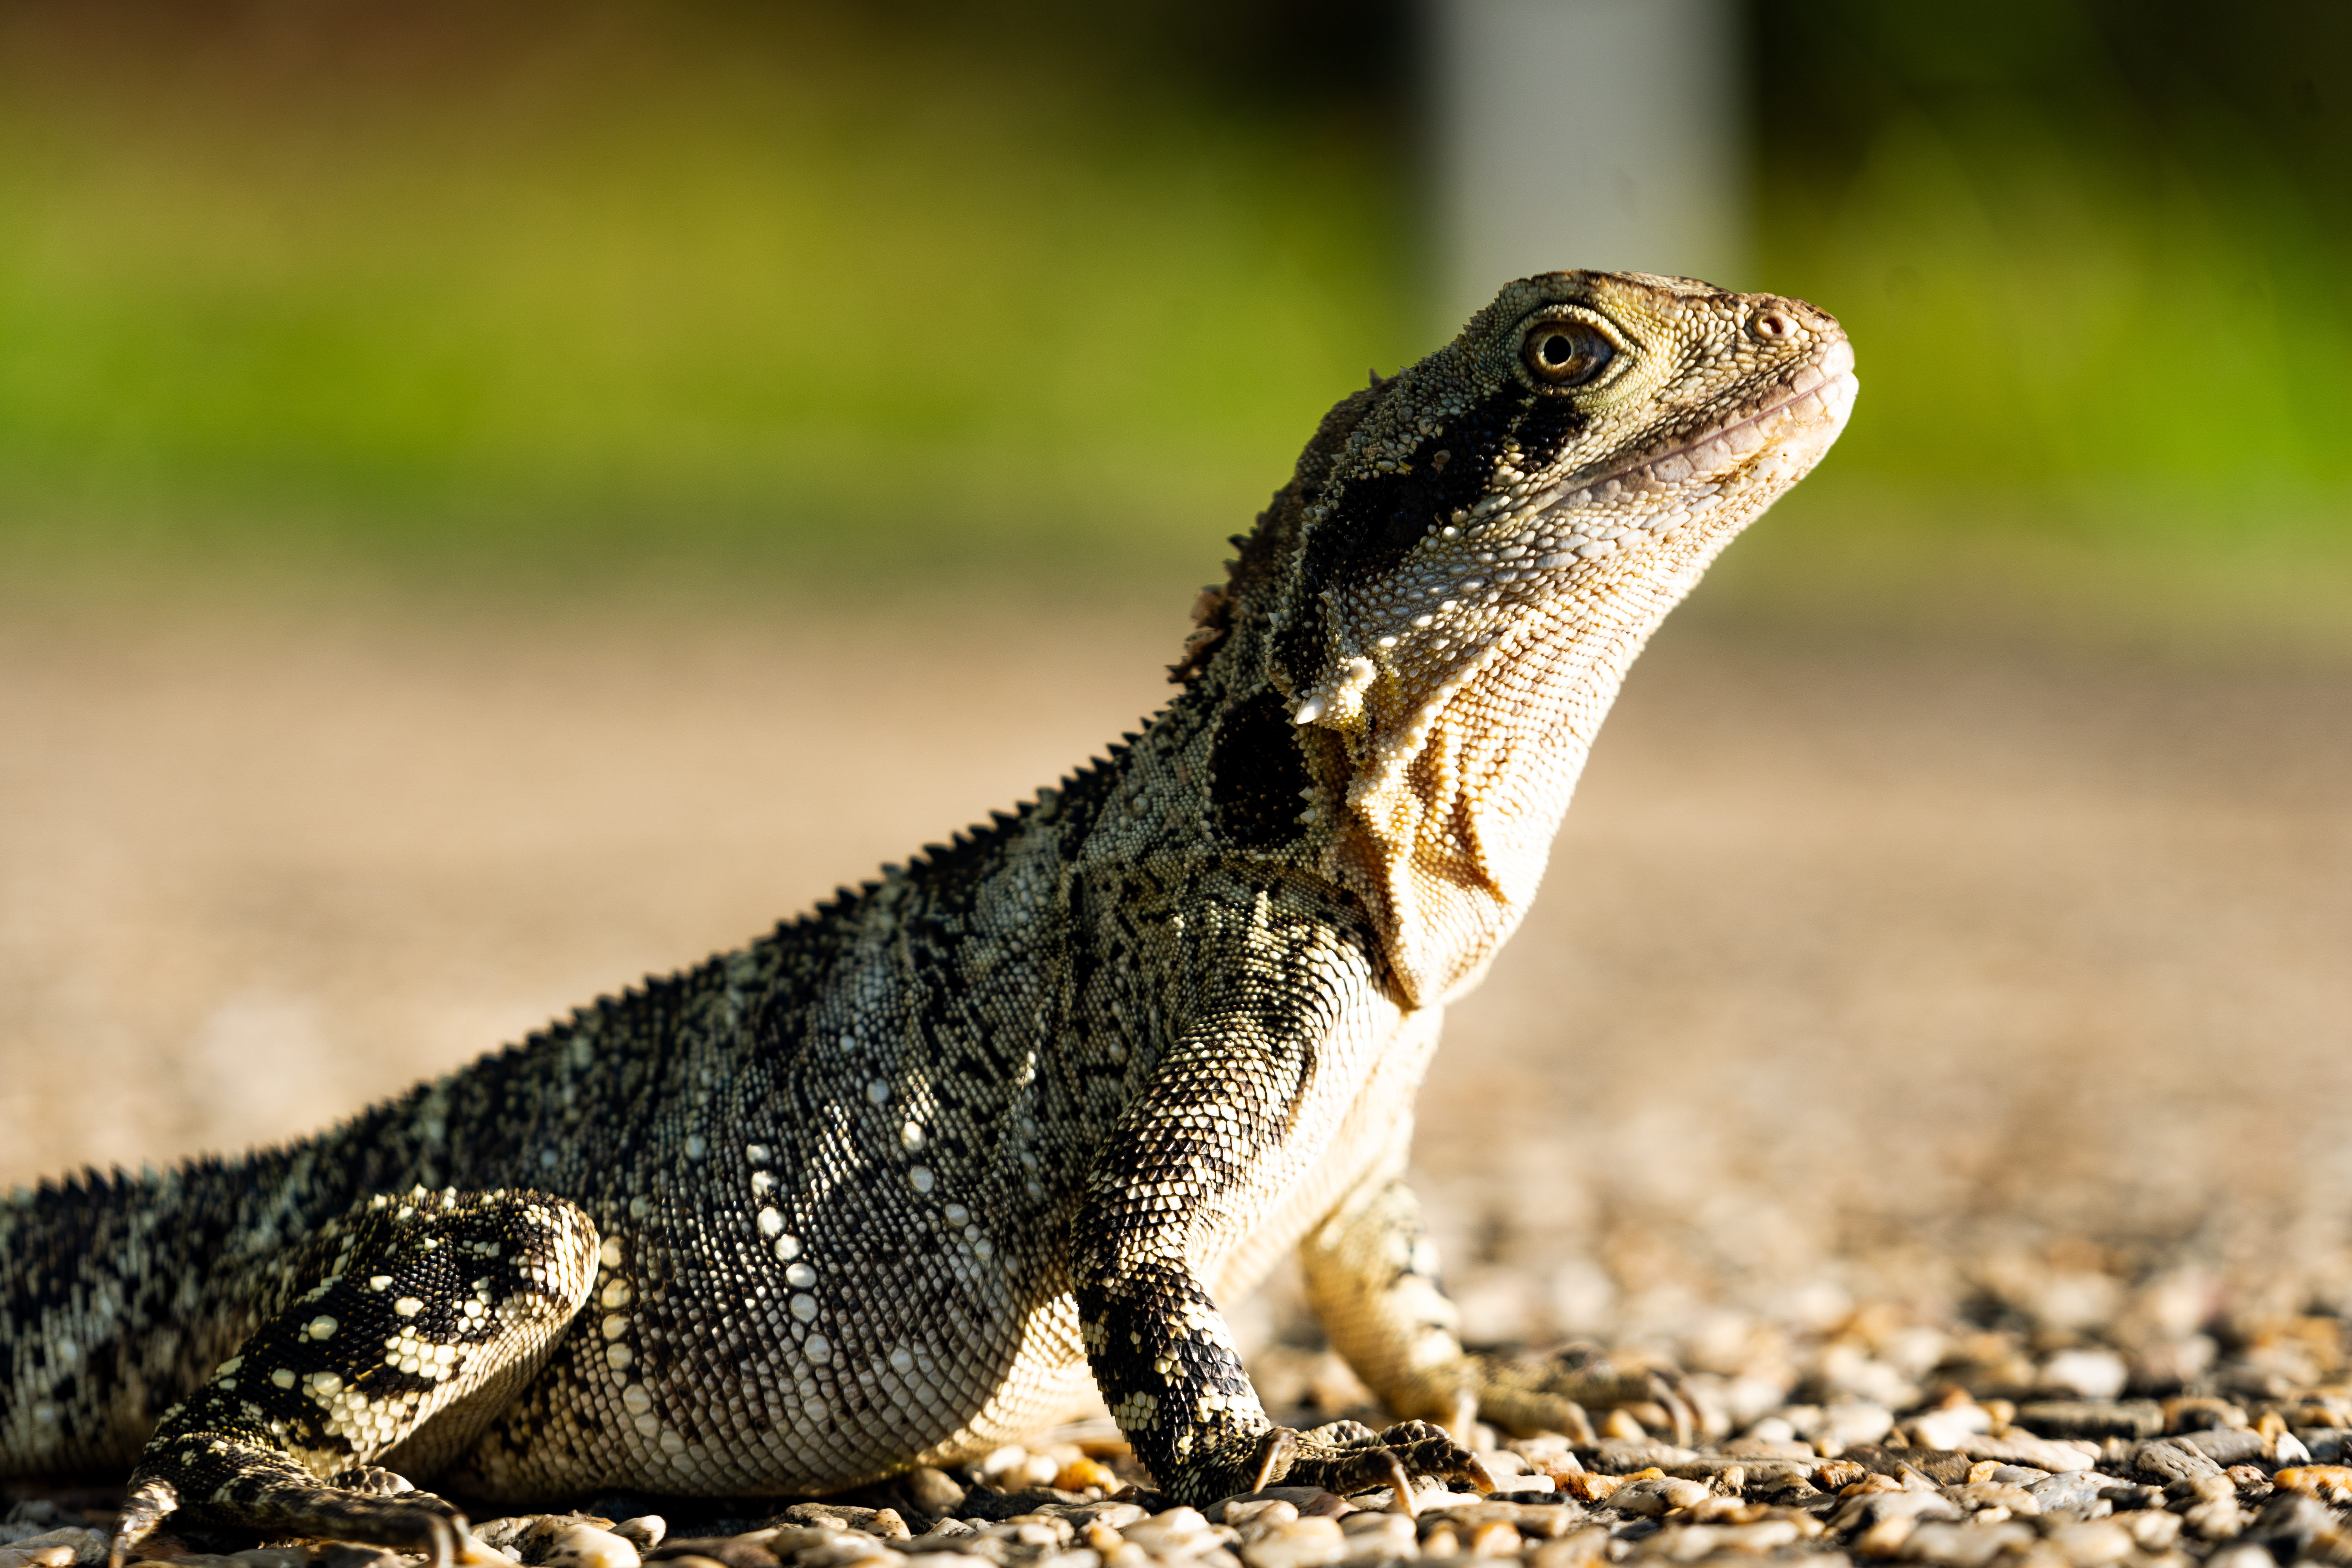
(1830, 380)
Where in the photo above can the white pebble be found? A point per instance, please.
(585, 1546)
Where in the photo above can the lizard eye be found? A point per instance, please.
(1566, 353)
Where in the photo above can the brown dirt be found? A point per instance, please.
(1853, 959)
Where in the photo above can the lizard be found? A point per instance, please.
(893, 1182)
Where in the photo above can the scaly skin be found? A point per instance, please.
(887, 1185)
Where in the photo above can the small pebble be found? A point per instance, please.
(2219, 1519)
(1301, 1499)
(2329, 1483)
(1381, 1534)
(78, 1544)
(1295, 1542)
(1586, 1487)
(1167, 1533)
(2075, 1489)
(1495, 1537)
(2014, 1475)
(1579, 1549)
(2226, 1447)
(2242, 1557)
(1115, 1515)
(932, 1490)
(1078, 1474)
(1259, 1514)
(1836, 1475)
(1945, 1429)
(645, 1532)
(2092, 1545)
(1650, 1497)
(586, 1546)
(36, 1557)
(350, 1555)
(2168, 1461)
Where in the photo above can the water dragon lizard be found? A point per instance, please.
(889, 1184)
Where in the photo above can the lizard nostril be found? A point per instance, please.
(1773, 325)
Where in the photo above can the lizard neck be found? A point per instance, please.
(1448, 799)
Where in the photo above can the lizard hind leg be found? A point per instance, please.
(1372, 1274)
(398, 1332)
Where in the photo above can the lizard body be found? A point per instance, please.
(889, 1184)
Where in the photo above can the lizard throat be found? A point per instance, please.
(1458, 772)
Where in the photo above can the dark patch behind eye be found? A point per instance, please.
(1380, 517)
(1544, 429)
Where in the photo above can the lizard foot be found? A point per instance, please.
(263, 1489)
(1559, 1394)
(1344, 1457)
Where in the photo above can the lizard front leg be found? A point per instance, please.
(1174, 1176)
(396, 1333)
(1372, 1276)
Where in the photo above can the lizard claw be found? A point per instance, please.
(1274, 1456)
(1666, 1391)
(149, 1502)
(1401, 1500)
(1418, 1446)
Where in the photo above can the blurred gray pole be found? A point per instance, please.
(1602, 134)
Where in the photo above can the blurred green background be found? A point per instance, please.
(797, 293)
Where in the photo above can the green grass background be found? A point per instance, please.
(801, 295)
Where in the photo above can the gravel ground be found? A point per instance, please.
(1931, 1061)
(1955, 1481)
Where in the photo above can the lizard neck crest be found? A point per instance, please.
(1449, 593)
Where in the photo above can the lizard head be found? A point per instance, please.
(1474, 551)
(1588, 436)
